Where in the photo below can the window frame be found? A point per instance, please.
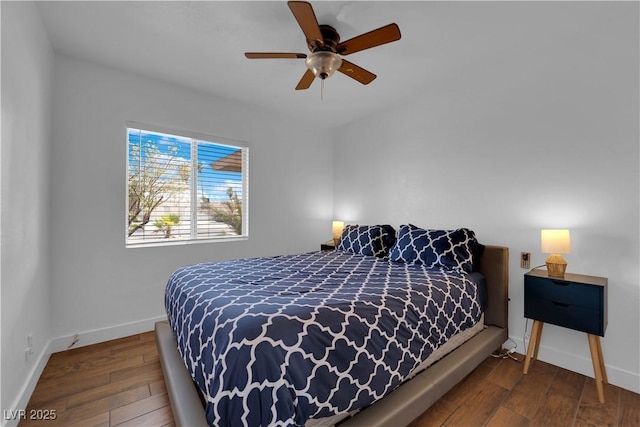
(194, 137)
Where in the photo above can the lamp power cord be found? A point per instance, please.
(507, 353)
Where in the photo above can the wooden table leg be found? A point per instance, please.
(598, 364)
(534, 344)
(603, 369)
(538, 339)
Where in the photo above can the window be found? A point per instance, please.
(184, 188)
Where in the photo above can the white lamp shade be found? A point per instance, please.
(337, 227)
(555, 242)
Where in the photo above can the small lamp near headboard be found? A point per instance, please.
(556, 243)
(336, 228)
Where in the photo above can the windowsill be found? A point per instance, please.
(176, 242)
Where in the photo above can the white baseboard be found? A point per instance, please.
(10, 417)
(62, 343)
(582, 365)
(105, 334)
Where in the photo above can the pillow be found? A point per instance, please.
(451, 249)
(478, 250)
(388, 237)
(373, 240)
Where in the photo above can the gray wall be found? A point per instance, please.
(96, 281)
(543, 139)
(65, 268)
(27, 61)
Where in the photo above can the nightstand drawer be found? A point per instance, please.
(564, 292)
(564, 314)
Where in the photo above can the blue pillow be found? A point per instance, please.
(373, 240)
(451, 249)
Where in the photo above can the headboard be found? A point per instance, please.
(494, 264)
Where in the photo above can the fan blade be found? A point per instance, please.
(303, 12)
(306, 80)
(383, 35)
(274, 55)
(357, 73)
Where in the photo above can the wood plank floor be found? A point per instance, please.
(120, 383)
(117, 382)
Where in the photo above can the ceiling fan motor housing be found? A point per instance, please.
(330, 38)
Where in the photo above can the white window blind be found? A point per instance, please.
(184, 188)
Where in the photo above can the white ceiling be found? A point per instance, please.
(201, 45)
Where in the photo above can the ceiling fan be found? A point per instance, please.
(327, 50)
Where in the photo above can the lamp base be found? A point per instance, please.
(336, 239)
(556, 265)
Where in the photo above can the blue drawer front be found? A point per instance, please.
(566, 315)
(560, 291)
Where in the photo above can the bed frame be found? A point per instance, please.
(407, 401)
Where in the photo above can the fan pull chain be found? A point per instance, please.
(321, 89)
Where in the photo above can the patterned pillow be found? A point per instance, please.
(374, 240)
(451, 249)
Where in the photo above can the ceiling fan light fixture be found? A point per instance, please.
(323, 63)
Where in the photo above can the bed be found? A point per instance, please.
(276, 340)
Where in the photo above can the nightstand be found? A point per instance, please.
(574, 301)
(327, 246)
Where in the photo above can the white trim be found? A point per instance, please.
(21, 401)
(193, 235)
(245, 192)
(188, 134)
(174, 242)
(582, 365)
(105, 334)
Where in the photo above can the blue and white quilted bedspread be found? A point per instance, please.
(276, 341)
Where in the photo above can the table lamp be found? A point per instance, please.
(556, 243)
(336, 228)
